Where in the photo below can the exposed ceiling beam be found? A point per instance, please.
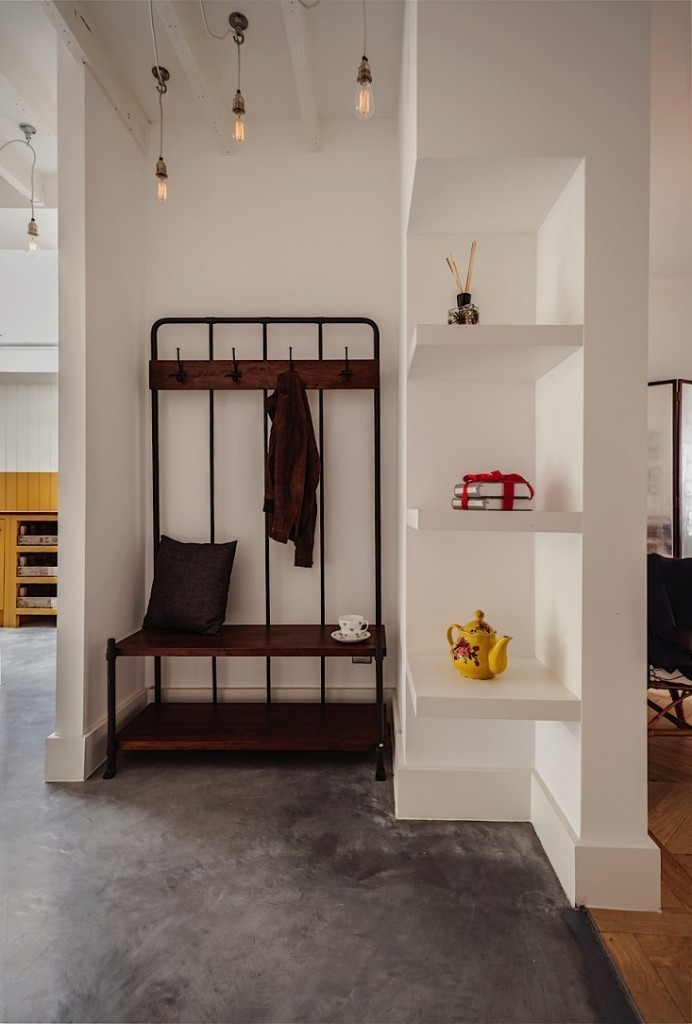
(186, 34)
(32, 103)
(299, 47)
(15, 169)
(74, 25)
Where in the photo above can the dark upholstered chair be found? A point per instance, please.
(669, 592)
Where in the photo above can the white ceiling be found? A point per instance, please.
(335, 35)
(334, 39)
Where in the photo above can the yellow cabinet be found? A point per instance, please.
(30, 570)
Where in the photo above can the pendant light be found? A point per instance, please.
(238, 23)
(28, 131)
(162, 76)
(365, 104)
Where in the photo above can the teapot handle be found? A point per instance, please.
(450, 640)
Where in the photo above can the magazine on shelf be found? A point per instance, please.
(489, 489)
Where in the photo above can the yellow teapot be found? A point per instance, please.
(477, 652)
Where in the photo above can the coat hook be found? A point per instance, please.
(181, 375)
(235, 373)
(347, 372)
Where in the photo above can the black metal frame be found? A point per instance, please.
(676, 411)
(346, 374)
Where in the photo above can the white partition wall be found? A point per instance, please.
(550, 384)
(102, 415)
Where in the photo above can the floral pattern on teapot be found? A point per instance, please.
(476, 651)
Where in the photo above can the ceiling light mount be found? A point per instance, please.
(238, 23)
(161, 75)
(28, 131)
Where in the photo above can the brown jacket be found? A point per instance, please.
(292, 471)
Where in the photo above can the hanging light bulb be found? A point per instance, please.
(365, 104)
(32, 236)
(161, 180)
(238, 23)
(239, 111)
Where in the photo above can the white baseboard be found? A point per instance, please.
(462, 794)
(615, 877)
(75, 758)
(65, 758)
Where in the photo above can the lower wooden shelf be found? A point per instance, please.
(310, 727)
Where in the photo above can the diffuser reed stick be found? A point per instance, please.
(454, 272)
(470, 270)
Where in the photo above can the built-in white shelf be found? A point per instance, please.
(526, 691)
(523, 352)
(486, 521)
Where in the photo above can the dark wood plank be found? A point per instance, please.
(259, 374)
(315, 727)
(294, 641)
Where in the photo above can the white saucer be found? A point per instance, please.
(345, 638)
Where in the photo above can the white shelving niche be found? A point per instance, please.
(506, 395)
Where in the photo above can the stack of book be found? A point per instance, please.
(489, 494)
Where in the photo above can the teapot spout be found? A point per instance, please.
(498, 655)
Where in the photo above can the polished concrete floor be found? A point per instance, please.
(261, 889)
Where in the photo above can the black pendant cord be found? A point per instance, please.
(267, 572)
(212, 500)
(320, 400)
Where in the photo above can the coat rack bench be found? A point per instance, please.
(270, 725)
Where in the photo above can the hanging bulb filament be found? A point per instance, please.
(161, 180)
(365, 104)
(239, 111)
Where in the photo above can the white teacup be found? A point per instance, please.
(352, 625)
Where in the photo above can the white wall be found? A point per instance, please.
(102, 390)
(28, 298)
(560, 257)
(275, 230)
(670, 314)
(13, 224)
(28, 428)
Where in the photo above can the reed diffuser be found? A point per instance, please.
(464, 312)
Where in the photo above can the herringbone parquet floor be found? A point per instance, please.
(653, 952)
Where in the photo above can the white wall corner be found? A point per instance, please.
(75, 758)
(624, 877)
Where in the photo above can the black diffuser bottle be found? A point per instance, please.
(464, 312)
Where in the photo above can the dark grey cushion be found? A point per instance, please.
(190, 587)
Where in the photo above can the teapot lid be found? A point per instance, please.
(478, 625)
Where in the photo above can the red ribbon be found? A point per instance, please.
(508, 479)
